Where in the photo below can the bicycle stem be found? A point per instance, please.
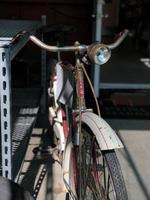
(80, 101)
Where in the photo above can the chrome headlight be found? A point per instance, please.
(99, 53)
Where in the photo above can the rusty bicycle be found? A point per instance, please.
(85, 143)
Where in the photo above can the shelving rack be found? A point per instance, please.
(18, 117)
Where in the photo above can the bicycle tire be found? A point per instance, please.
(96, 162)
(12, 191)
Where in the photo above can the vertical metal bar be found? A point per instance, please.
(98, 34)
(43, 74)
(6, 142)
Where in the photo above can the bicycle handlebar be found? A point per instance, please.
(78, 47)
(41, 44)
(119, 40)
(97, 52)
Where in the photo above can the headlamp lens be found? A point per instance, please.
(102, 55)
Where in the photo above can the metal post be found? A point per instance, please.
(43, 74)
(6, 142)
(98, 35)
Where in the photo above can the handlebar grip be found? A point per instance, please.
(119, 40)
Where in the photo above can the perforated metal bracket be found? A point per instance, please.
(5, 111)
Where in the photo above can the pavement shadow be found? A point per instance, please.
(128, 157)
(38, 167)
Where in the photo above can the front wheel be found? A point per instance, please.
(100, 176)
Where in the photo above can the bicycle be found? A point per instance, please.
(85, 142)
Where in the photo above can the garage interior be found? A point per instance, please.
(123, 86)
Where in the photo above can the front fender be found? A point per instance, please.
(105, 135)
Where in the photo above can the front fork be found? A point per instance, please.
(80, 105)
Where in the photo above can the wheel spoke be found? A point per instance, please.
(87, 165)
(92, 182)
